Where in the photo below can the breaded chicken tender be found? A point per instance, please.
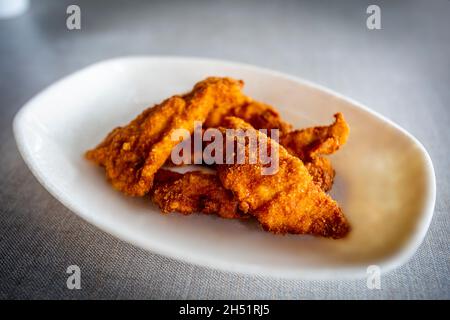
(311, 142)
(285, 202)
(131, 155)
(260, 116)
(325, 139)
(194, 191)
(322, 172)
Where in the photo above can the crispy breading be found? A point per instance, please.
(231, 98)
(307, 144)
(194, 191)
(287, 201)
(260, 116)
(319, 167)
(311, 142)
(322, 172)
(131, 155)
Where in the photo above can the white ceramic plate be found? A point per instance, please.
(385, 179)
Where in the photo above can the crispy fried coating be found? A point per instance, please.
(287, 201)
(319, 167)
(322, 172)
(311, 142)
(307, 144)
(260, 116)
(194, 191)
(231, 99)
(132, 154)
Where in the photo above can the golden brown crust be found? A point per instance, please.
(290, 201)
(260, 116)
(311, 142)
(319, 168)
(131, 155)
(322, 172)
(229, 97)
(287, 201)
(194, 191)
(307, 144)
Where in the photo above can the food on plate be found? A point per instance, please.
(194, 191)
(321, 171)
(131, 155)
(308, 144)
(260, 116)
(311, 142)
(285, 202)
(291, 199)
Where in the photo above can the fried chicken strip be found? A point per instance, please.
(311, 142)
(131, 155)
(287, 201)
(261, 116)
(322, 172)
(307, 144)
(194, 191)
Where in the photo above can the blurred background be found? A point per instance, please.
(402, 71)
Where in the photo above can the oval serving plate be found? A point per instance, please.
(385, 180)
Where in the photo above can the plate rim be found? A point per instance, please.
(393, 261)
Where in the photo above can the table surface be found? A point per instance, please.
(402, 71)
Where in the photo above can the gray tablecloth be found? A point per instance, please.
(401, 71)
